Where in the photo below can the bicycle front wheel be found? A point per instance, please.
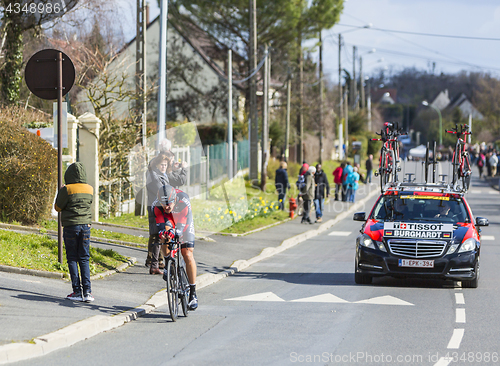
(172, 290)
(184, 294)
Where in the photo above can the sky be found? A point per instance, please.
(395, 51)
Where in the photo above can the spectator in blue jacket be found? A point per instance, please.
(352, 184)
(345, 173)
(282, 184)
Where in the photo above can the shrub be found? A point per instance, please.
(28, 169)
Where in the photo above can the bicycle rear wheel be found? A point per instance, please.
(382, 170)
(456, 164)
(466, 173)
(184, 294)
(426, 170)
(172, 290)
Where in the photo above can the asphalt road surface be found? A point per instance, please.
(303, 307)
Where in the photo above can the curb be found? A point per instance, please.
(92, 326)
(60, 276)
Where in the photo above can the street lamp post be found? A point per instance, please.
(440, 120)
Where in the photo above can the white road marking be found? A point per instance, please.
(460, 316)
(340, 233)
(456, 338)
(264, 296)
(444, 361)
(493, 192)
(475, 191)
(459, 299)
(487, 237)
(384, 300)
(322, 298)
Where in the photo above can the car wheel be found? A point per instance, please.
(475, 282)
(362, 279)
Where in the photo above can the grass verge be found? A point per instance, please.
(96, 233)
(39, 252)
(245, 226)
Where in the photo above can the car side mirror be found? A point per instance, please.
(359, 216)
(481, 221)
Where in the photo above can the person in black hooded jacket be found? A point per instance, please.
(74, 202)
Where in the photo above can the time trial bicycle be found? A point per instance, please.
(177, 281)
(461, 163)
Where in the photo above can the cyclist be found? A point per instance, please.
(173, 215)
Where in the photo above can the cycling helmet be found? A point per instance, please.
(167, 194)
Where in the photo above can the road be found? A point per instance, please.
(303, 307)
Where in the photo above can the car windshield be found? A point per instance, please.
(410, 207)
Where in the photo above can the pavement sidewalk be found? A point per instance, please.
(37, 319)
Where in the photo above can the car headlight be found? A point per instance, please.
(453, 248)
(468, 245)
(367, 242)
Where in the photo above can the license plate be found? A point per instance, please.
(416, 263)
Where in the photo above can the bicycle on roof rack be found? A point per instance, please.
(389, 154)
(461, 163)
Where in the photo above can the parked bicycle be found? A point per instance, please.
(177, 281)
(461, 163)
(389, 154)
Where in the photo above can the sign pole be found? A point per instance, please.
(59, 149)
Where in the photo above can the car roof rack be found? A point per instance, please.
(424, 187)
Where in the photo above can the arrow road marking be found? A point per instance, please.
(340, 233)
(322, 298)
(264, 296)
(384, 300)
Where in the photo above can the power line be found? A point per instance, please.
(423, 34)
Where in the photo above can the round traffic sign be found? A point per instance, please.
(41, 74)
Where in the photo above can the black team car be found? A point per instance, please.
(419, 231)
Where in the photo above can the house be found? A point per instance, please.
(196, 80)
(461, 101)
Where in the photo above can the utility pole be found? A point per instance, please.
(346, 120)
(230, 114)
(254, 128)
(162, 68)
(140, 68)
(265, 120)
(300, 117)
(288, 97)
(321, 99)
(354, 82)
(361, 82)
(369, 105)
(340, 85)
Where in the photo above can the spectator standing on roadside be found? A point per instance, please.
(337, 179)
(74, 202)
(352, 184)
(369, 168)
(488, 165)
(301, 187)
(281, 183)
(481, 160)
(493, 163)
(322, 187)
(308, 196)
(347, 170)
(162, 171)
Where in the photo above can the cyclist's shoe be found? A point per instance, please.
(193, 302)
(88, 297)
(75, 296)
